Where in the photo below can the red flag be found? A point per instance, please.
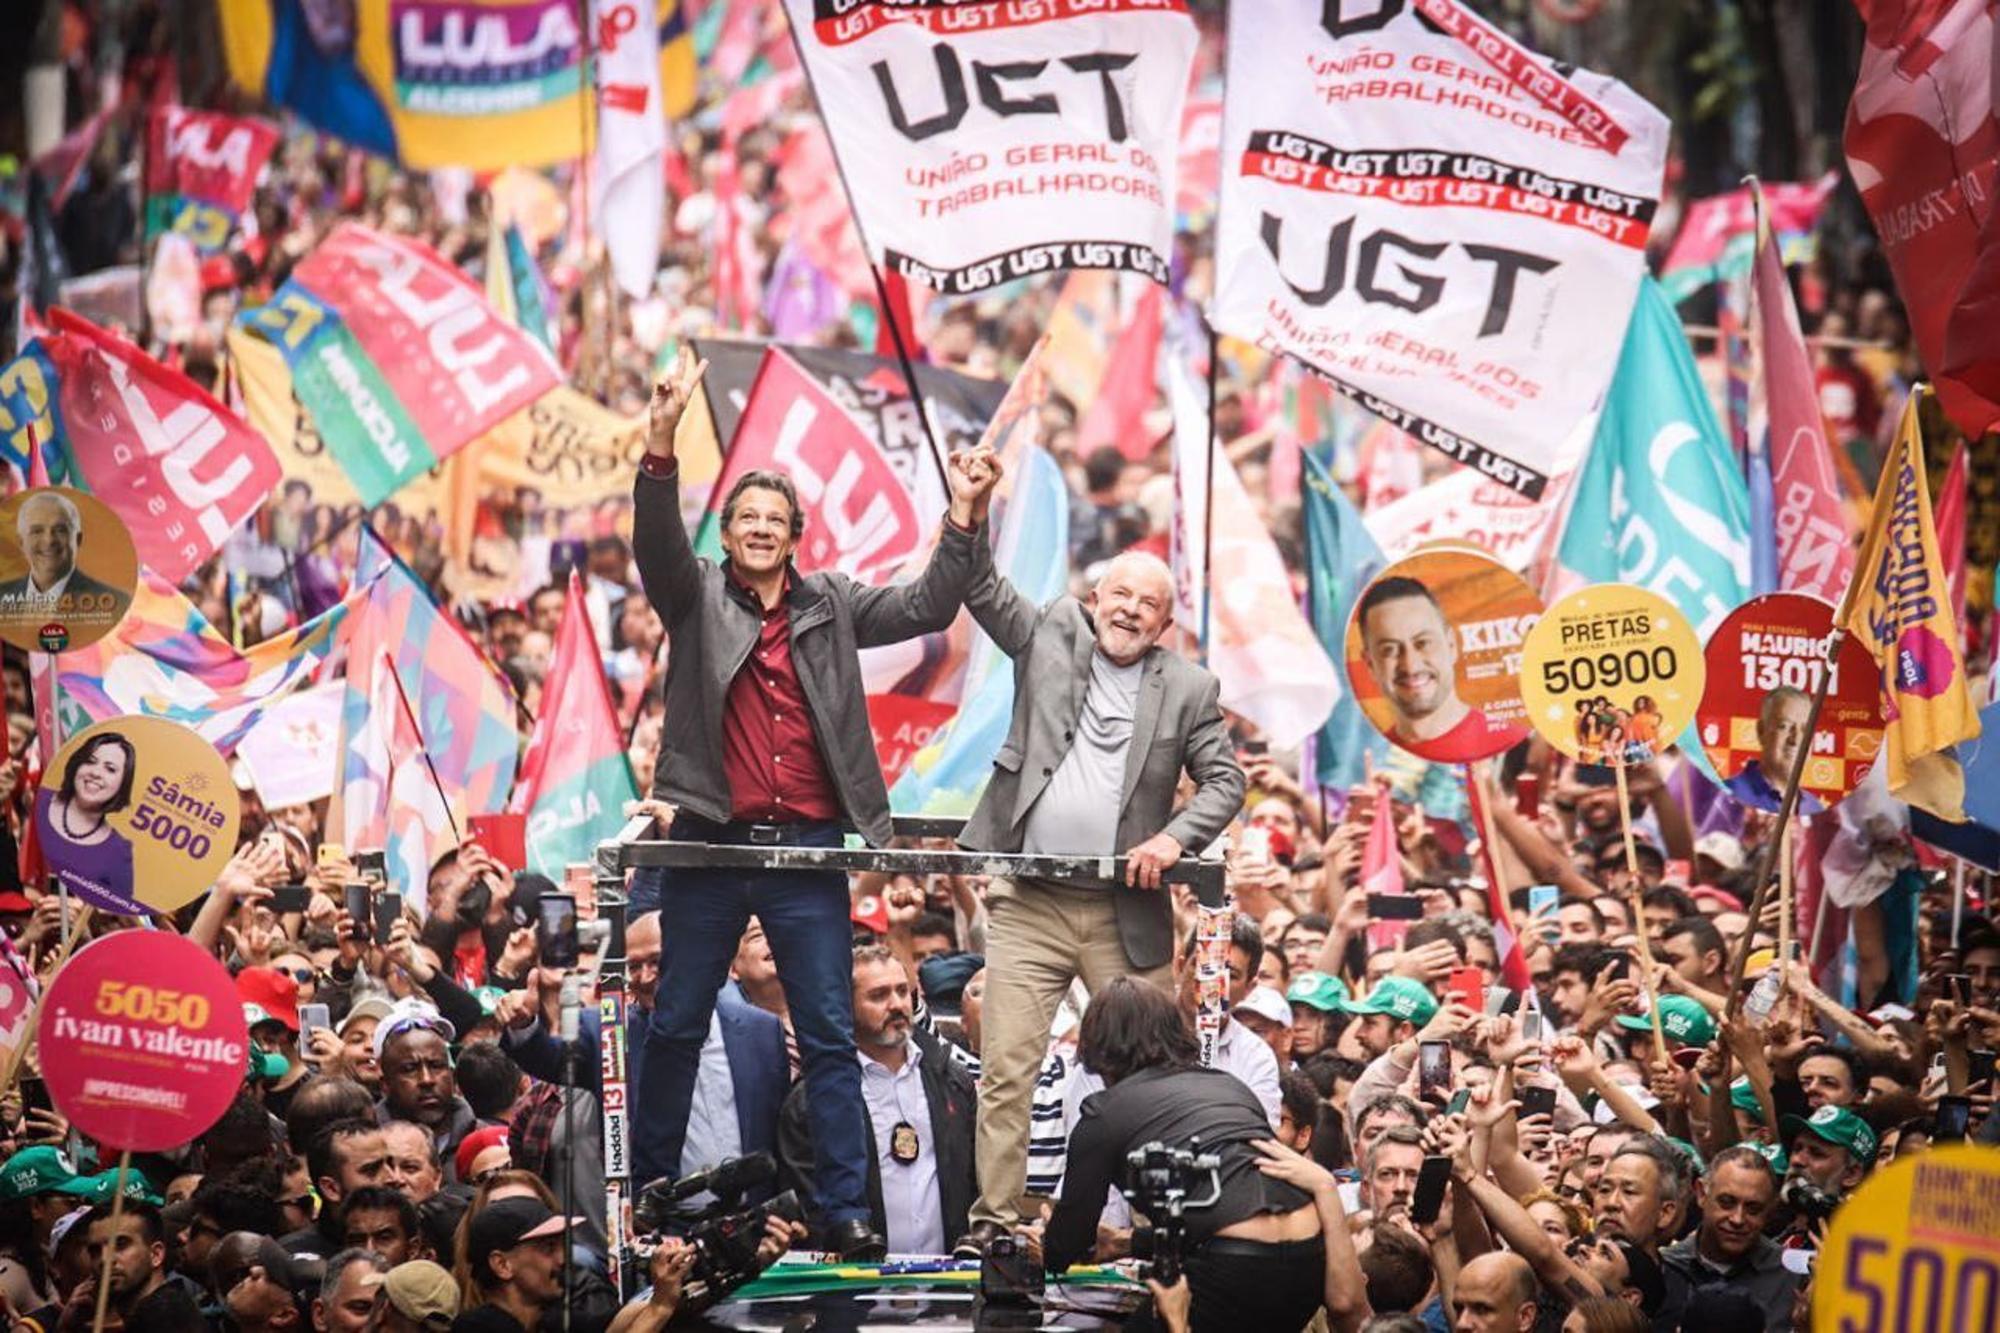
(1382, 869)
(1815, 549)
(1923, 145)
(1127, 394)
(1513, 960)
(574, 778)
(1950, 518)
(897, 318)
(201, 171)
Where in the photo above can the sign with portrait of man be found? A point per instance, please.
(67, 569)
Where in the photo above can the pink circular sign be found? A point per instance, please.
(143, 1041)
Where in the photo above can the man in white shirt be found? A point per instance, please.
(920, 1106)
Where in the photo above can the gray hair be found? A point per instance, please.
(70, 512)
(336, 1267)
(1145, 560)
(1669, 1164)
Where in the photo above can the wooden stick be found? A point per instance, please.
(1638, 914)
(111, 1247)
(1785, 904)
(19, 1055)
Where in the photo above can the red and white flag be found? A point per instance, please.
(629, 175)
(1815, 548)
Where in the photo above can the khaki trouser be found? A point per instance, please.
(1038, 937)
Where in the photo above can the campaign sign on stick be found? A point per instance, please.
(67, 569)
(142, 1040)
(1913, 1248)
(1434, 653)
(1764, 664)
(1611, 674)
(137, 814)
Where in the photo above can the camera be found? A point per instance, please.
(1808, 1200)
(723, 1234)
(1160, 1183)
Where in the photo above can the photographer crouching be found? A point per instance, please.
(1257, 1230)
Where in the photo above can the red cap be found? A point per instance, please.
(272, 991)
(13, 900)
(870, 911)
(475, 1143)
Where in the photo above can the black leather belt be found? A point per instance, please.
(779, 835)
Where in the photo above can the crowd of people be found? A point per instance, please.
(1643, 1136)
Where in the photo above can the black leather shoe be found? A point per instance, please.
(976, 1239)
(855, 1243)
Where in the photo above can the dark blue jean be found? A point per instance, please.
(805, 917)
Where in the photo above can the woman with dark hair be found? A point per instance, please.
(93, 859)
(1256, 1257)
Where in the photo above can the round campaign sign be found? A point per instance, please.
(1611, 674)
(137, 814)
(67, 569)
(1434, 653)
(1913, 1248)
(142, 1040)
(1764, 663)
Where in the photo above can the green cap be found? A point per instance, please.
(98, 1189)
(1775, 1155)
(1398, 997)
(1744, 1098)
(1319, 990)
(268, 1065)
(38, 1170)
(1682, 1019)
(1836, 1125)
(488, 997)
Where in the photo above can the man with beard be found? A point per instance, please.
(920, 1105)
(1736, 1198)
(514, 1250)
(1412, 652)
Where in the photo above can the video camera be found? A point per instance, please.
(1808, 1200)
(1160, 1183)
(723, 1234)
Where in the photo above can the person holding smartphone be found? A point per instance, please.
(766, 742)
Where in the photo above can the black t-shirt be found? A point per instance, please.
(1204, 1109)
(486, 1319)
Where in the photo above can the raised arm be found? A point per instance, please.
(660, 545)
(928, 603)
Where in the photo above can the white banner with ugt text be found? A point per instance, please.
(1435, 219)
(986, 140)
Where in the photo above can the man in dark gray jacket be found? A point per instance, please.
(1105, 722)
(767, 743)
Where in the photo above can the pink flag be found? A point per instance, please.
(1815, 549)
(1382, 869)
(1129, 388)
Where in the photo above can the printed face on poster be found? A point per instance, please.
(1611, 674)
(1434, 653)
(1764, 664)
(67, 569)
(142, 1040)
(137, 814)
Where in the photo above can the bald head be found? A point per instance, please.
(1495, 1294)
(1132, 604)
(642, 959)
(643, 933)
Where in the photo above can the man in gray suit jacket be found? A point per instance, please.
(1105, 722)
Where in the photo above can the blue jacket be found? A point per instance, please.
(753, 1040)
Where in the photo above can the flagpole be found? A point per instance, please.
(1638, 904)
(423, 746)
(874, 269)
(1208, 496)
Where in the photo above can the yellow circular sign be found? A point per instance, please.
(1611, 674)
(137, 814)
(67, 569)
(1916, 1248)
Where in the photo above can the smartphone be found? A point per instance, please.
(388, 907)
(1256, 746)
(504, 836)
(1433, 1071)
(1537, 1099)
(1528, 795)
(360, 919)
(289, 898)
(1531, 1025)
(372, 865)
(1953, 1120)
(1467, 986)
(1427, 1199)
(1499, 1000)
(1958, 989)
(1395, 907)
(1256, 843)
(555, 930)
(311, 1016)
(1542, 899)
(35, 1095)
(1979, 1066)
(331, 853)
(1620, 969)
(1459, 1101)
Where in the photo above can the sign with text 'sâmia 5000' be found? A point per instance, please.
(988, 140)
(1443, 223)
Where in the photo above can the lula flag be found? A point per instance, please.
(1658, 501)
(485, 84)
(1900, 611)
(201, 170)
(1341, 558)
(397, 356)
(574, 777)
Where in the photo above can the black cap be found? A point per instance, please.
(503, 1225)
(1642, 1271)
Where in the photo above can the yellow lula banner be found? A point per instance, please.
(484, 84)
(1899, 609)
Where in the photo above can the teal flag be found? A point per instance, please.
(1341, 559)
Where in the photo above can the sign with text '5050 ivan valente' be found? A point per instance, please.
(987, 140)
(1444, 224)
